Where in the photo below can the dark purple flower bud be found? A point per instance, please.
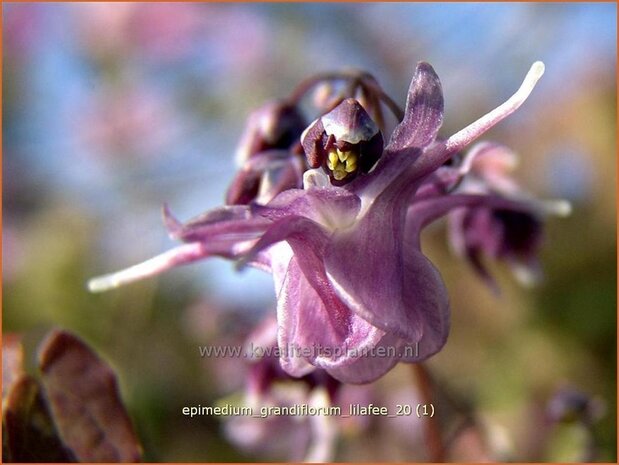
(513, 236)
(272, 133)
(344, 142)
(275, 125)
(265, 175)
(521, 233)
(243, 188)
(501, 234)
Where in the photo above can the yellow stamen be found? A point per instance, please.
(351, 163)
(342, 155)
(350, 168)
(341, 163)
(333, 160)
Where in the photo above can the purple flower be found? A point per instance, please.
(265, 370)
(514, 236)
(355, 294)
(310, 438)
(344, 142)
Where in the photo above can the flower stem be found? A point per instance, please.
(432, 431)
(353, 77)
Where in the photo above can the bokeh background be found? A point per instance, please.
(109, 110)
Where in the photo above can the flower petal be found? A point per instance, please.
(263, 176)
(318, 332)
(385, 280)
(422, 120)
(465, 136)
(369, 367)
(439, 183)
(439, 152)
(425, 211)
(349, 122)
(230, 223)
(436, 317)
(329, 206)
(486, 158)
(306, 238)
(181, 255)
(423, 115)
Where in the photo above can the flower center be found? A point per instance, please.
(341, 163)
(345, 142)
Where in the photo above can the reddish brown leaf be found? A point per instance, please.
(29, 434)
(85, 402)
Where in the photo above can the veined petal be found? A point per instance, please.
(317, 325)
(459, 238)
(386, 281)
(227, 232)
(231, 223)
(428, 290)
(181, 255)
(365, 267)
(435, 155)
(423, 115)
(465, 136)
(369, 367)
(441, 182)
(306, 238)
(423, 118)
(425, 211)
(332, 207)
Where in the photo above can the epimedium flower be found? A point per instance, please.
(309, 438)
(345, 250)
(498, 233)
(345, 142)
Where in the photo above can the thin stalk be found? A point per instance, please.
(432, 431)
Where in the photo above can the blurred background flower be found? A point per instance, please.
(112, 109)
